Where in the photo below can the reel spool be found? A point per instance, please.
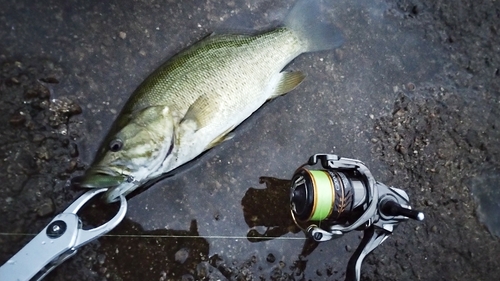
(332, 195)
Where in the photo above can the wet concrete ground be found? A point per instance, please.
(413, 93)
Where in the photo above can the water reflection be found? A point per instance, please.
(267, 213)
(178, 254)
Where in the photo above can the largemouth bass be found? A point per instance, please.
(196, 98)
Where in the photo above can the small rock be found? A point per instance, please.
(202, 270)
(74, 109)
(401, 149)
(71, 166)
(42, 153)
(73, 150)
(399, 112)
(50, 80)
(42, 92)
(182, 255)
(101, 258)
(163, 274)
(31, 93)
(38, 137)
(103, 270)
(122, 35)
(17, 119)
(318, 272)
(47, 208)
(270, 258)
(187, 277)
(106, 42)
(217, 216)
(348, 248)
(63, 129)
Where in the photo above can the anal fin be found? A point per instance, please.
(225, 136)
(287, 82)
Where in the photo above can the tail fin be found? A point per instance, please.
(304, 19)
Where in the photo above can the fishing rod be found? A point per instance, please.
(342, 197)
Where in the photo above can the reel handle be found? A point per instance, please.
(393, 208)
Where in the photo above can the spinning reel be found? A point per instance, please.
(342, 197)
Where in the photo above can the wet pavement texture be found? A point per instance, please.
(413, 92)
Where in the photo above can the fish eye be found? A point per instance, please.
(116, 145)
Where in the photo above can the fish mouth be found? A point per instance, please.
(117, 184)
(99, 179)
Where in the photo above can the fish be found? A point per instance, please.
(193, 101)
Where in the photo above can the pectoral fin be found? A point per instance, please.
(201, 112)
(287, 82)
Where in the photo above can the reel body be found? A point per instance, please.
(342, 197)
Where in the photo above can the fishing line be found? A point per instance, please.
(171, 236)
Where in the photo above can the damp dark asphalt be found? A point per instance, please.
(396, 83)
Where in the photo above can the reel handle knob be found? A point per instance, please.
(392, 208)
